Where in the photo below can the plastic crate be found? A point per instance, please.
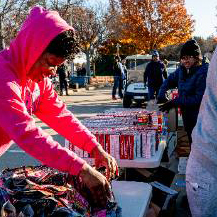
(82, 81)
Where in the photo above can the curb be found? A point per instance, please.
(84, 89)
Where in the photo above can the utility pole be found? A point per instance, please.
(118, 49)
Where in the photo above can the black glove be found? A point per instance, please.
(162, 100)
(167, 106)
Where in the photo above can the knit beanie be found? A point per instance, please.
(190, 48)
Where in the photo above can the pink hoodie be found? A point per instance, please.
(20, 98)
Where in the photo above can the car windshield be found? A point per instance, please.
(136, 65)
(136, 75)
(170, 70)
(137, 62)
(172, 66)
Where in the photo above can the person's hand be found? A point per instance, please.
(102, 158)
(167, 106)
(161, 100)
(96, 183)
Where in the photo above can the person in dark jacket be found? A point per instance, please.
(118, 78)
(190, 79)
(154, 73)
(61, 71)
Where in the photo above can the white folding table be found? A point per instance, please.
(152, 162)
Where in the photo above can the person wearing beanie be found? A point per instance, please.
(154, 74)
(190, 79)
(43, 43)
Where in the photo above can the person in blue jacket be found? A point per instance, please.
(154, 73)
(190, 79)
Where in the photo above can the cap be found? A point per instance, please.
(155, 53)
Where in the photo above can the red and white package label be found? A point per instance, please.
(153, 142)
(114, 145)
(78, 151)
(148, 146)
(130, 144)
(97, 137)
(102, 140)
(122, 147)
(137, 144)
(107, 143)
(144, 144)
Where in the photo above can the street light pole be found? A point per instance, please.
(118, 48)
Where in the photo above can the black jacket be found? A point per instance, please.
(154, 73)
(116, 69)
(61, 71)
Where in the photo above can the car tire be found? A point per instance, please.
(127, 102)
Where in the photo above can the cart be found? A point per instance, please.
(135, 90)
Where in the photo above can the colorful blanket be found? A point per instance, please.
(42, 191)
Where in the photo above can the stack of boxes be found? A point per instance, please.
(126, 134)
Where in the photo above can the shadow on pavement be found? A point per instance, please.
(91, 109)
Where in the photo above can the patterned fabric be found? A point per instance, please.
(48, 192)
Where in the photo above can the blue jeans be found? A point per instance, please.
(153, 92)
(118, 83)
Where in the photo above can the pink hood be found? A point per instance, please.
(21, 97)
(40, 27)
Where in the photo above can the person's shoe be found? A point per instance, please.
(67, 94)
(114, 98)
(61, 93)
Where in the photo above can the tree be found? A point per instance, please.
(153, 24)
(172, 52)
(90, 24)
(7, 10)
(14, 12)
(206, 45)
(12, 15)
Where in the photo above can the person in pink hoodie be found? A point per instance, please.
(44, 42)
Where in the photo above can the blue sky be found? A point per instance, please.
(204, 13)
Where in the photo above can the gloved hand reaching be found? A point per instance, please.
(167, 106)
(162, 100)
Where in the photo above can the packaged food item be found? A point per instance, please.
(43, 191)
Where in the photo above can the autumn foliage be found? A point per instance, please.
(153, 24)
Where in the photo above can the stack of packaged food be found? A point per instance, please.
(126, 133)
